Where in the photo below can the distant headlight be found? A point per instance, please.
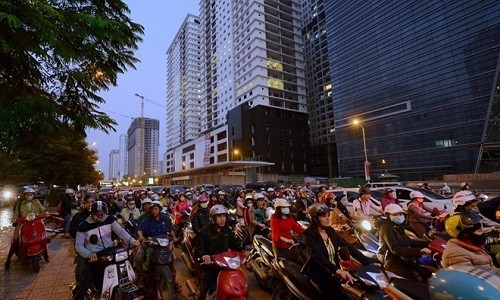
(366, 225)
(7, 194)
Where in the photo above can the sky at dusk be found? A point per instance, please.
(161, 20)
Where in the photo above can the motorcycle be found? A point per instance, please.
(260, 262)
(54, 225)
(32, 240)
(118, 276)
(188, 251)
(159, 282)
(232, 282)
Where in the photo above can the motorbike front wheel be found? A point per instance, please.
(165, 289)
(35, 263)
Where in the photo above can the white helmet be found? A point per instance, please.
(217, 209)
(393, 209)
(270, 189)
(416, 194)
(156, 197)
(280, 202)
(69, 191)
(146, 200)
(258, 196)
(29, 190)
(482, 197)
(462, 197)
(157, 203)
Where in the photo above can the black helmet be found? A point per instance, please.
(99, 207)
(316, 209)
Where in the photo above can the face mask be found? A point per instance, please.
(420, 200)
(478, 239)
(285, 210)
(30, 197)
(249, 204)
(204, 204)
(398, 219)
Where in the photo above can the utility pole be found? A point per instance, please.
(141, 144)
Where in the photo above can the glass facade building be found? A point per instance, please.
(422, 77)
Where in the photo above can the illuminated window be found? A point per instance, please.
(275, 83)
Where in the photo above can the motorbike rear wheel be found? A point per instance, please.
(35, 263)
(165, 289)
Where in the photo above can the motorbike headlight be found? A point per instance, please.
(366, 225)
(233, 262)
(232, 211)
(30, 217)
(121, 256)
(7, 194)
(163, 242)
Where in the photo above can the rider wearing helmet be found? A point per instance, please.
(27, 204)
(282, 223)
(260, 219)
(146, 207)
(156, 224)
(200, 217)
(323, 243)
(93, 235)
(464, 282)
(466, 201)
(466, 245)
(340, 218)
(419, 216)
(389, 197)
(396, 250)
(214, 238)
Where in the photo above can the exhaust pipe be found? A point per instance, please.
(187, 261)
(193, 290)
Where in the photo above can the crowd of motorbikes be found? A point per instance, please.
(280, 275)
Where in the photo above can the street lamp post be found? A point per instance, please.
(367, 163)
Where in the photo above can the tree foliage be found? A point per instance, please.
(55, 56)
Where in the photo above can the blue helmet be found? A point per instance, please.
(464, 282)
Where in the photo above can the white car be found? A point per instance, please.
(353, 194)
(431, 199)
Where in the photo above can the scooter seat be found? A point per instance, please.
(413, 290)
(292, 271)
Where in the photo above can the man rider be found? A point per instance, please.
(27, 205)
(214, 238)
(80, 216)
(146, 207)
(155, 224)
(94, 235)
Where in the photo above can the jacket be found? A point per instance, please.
(282, 227)
(318, 263)
(395, 245)
(458, 252)
(210, 241)
(300, 209)
(200, 218)
(25, 208)
(65, 206)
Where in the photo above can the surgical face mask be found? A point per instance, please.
(30, 197)
(398, 219)
(204, 204)
(285, 210)
(249, 204)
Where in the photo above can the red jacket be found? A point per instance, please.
(282, 227)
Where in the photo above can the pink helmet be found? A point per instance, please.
(202, 198)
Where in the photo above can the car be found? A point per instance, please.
(431, 199)
(178, 187)
(353, 194)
